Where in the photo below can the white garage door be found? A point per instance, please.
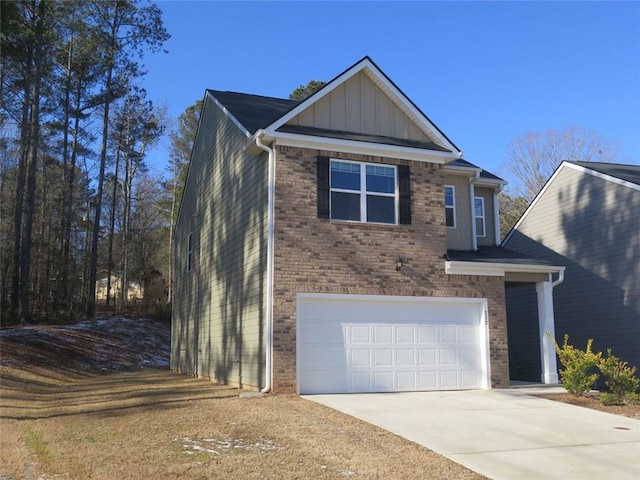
(356, 343)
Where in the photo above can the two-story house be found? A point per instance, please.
(342, 244)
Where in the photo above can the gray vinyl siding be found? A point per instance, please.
(489, 239)
(219, 308)
(592, 226)
(459, 238)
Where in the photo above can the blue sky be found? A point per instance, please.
(484, 72)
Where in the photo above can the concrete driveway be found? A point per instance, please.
(505, 434)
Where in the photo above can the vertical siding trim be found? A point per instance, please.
(323, 186)
(404, 187)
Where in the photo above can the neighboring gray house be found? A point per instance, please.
(342, 244)
(586, 217)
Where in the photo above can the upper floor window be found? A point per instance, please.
(363, 192)
(450, 205)
(478, 211)
(190, 252)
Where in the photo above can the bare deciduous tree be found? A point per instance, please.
(533, 157)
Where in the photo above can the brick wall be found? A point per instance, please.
(315, 255)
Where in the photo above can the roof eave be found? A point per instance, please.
(360, 147)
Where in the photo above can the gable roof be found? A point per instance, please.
(621, 171)
(252, 113)
(618, 173)
(390, 88)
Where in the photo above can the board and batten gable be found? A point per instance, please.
(592, 225)
(219, 307)
(359, 105)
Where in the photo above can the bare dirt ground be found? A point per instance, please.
(96, 401)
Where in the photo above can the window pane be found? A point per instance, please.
(345, 175)
(449, 217)
(381, 179)
(479, 207)
(345, 206)
(381, 209)
(479, 227)
(448, 196)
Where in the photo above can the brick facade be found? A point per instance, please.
(315, 255)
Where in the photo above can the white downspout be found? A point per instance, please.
(472, 194)
(559, 280)
(270, 238)
(496, 216)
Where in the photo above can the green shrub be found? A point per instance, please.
(633, 398)
(608, 398)
(577, 365)
(619, 377)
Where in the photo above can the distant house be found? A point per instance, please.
(134, 292)
(342, 244)
(586, 217)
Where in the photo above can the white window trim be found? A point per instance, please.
(363, 192)
(453, 188)
(190, 252)
(483, 217)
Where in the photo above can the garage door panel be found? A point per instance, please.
(383, 357)
(383, 382)
(406, 381)
(406, 334)
(405, 357)
(427, 357)
(360, 334)
(360, 357)
(447, 334)
(377, 345)
(427, 334)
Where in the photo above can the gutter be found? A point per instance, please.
(270, 252)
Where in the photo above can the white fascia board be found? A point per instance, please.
(490, 182)
(363, 148)
(228, 114)
(456, 267)
(603, 176)
(466, 171)
(396, 95)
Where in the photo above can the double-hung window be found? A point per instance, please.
(450, 205)
(478, 210)
(363, 192)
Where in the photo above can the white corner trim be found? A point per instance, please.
(458, 267)
(358, 147)
(229, 114)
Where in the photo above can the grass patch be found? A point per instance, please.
(157, 424)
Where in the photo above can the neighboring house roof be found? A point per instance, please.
(628, 173)
(618, 173)
(253, 111)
